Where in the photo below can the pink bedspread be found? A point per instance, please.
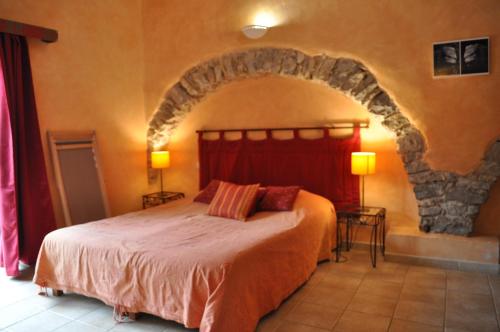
(176, 262)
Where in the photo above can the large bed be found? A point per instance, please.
(176, 262)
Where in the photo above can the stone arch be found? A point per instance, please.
(448, 202)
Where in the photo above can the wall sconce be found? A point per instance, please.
(254, 31)
(262, 21)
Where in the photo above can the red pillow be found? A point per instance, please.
(279, 198)
(258, 198)
(233, 201)
(207, 194)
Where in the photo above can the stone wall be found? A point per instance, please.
(447, 202)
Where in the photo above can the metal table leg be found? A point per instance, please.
(347, 233)
(383, 234)
(373, 245)
(339, 242)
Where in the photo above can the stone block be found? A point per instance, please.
(493, 153)
(342, 70)
(395, 122)
(416, 166)
(323, 67)
(428, 190)
(429, 211)
(382, 104)
(412, 141)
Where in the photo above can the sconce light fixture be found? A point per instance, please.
(254, 31)
(262, 21)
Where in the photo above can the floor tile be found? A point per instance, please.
(391, 267)
(380, 288)
(14, 293)
(287, 305)
(314, 315)
(426, 269)
(372, 305)
(421, 294)
(420, 312)
(353, 267)
(295, 327)
(461, 301)
(76, 326)
(360, 322)
(468, 282)
(368, 296)
(398, 325)
(394, 277)
(145, 323)
(329, 297)
(101, 317)
(471, 321)
(426, 279)
(470, 312)
(76, 306)
(44, 321)
(341, 281)
(18, 311)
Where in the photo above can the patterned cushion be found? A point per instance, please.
(279, 198)
(233, 201)
(207, 194)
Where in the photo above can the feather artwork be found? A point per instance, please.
(470, 53)
(450, 54)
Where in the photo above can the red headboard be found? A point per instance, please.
(321, 166)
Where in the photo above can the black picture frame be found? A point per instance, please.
(461, 57)
(447, 59)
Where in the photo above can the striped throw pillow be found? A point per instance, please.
(233, 201)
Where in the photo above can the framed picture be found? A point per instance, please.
(461, 57)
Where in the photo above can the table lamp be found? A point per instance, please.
(363, 163)
(160, 160)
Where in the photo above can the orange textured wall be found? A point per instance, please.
(114, 60)
(91, 78)
(458, 116)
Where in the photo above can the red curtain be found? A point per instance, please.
(26, 213)
(322, 166)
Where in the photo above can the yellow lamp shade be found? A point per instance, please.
(160, 159)
(363, 163)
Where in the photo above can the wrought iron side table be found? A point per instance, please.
(369, 216)
(161, 197)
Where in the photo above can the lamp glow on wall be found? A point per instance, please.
(160, 160)
(363, 163)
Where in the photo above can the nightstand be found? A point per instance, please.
(368, 216)
(154, 199)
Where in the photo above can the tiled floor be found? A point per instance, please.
(339, 297)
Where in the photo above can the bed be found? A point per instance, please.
(176, 262)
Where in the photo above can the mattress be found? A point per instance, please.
(176, 262)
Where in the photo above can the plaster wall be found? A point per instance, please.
(91, 79)
(458, 116)
(114, 60)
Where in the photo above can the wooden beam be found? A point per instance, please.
(28, 30)
(339, 125)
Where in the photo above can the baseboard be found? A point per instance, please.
(443, 263)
